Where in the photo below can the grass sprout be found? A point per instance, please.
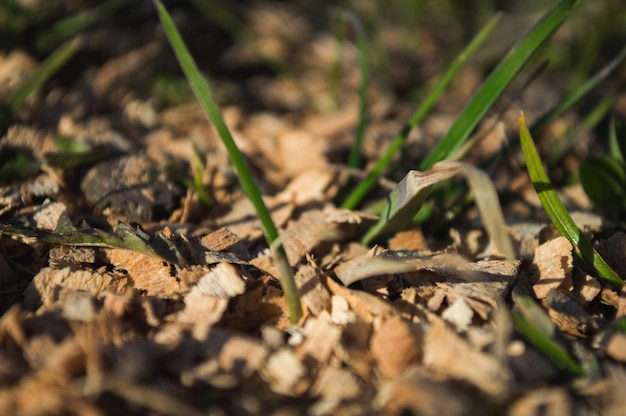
(201, 90)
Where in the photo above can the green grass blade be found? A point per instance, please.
(557, 212)
(499, 79)
(48, 67)
(617, 139)
(364, 66)
(363, 188)
(591, 120)
(202, 92)
(530, 321)
(65, 28)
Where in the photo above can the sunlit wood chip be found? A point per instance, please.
(44, 288)
(284, 372)
(148, 273)
(554, 262)
(223, 281)
(447, 354)
(459, 314)
(353, 325)
(322, 336)
(336, 384)
(313, 294)
(396, 345)
(568, 315)
(589, 288)
(614, 345)
(242, 356)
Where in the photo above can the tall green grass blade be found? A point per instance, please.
(65, 28)
(363, 188)
(48, 67)
(202, 92)
(364, 66)
(334, 82)
(499, 79)
(537, 328)
(557, 212)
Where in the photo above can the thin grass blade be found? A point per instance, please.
(48, 67)
(368, 183)
(557, 212)
(201, 90)
(535, 326)
(499, 79)
(364, 66)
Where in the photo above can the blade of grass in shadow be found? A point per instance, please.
(48, 67)
(334, 79)
(202, 92)
(591, 120)
(557, 212)
(537, 328)
(72, 25)
(364, 66)
(364, 186)
(499, 79)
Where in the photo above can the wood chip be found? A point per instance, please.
(224, 281)
(568, 315)
(285, 373)
(547, 402)
(554, 263)
(614, 345)
(446, 353)
(336, 384)
(322, 336)
(44, 288)
(396, 345)
(220, 240)
(459, 314)
(313, 294)
(422, 394)
(147, 273)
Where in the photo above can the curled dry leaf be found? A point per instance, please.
(411, 192)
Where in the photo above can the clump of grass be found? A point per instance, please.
(357, 195)
(393, 215)
(201, 90)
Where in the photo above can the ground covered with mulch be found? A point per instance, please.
(194, 320)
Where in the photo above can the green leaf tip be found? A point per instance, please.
(557, 212)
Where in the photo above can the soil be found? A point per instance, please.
(114, 151)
